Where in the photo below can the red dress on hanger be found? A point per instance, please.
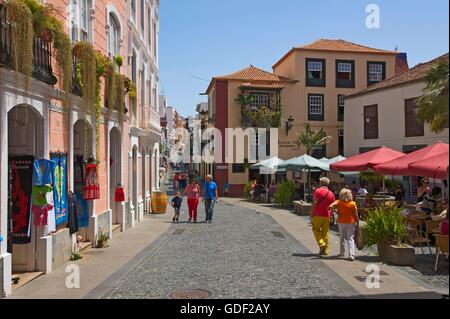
(91, 188)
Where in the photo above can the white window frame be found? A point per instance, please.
(340, 132)
(78, 31)
(143, 85)
(314, 105)
(114, 35)
(341, 99)
(149, 88)
(344, 67)
(142, 17)
(84, 10)
(260, 99)
(375, 72)
(134, 70)
(133, 13)
(150, 28)
(315, 66)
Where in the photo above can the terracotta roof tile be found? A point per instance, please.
(253, 76)
(335, 45)
(415, 74)
(340, 45)
(252, 73)
(262, 85)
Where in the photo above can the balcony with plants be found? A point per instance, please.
(29, 34)
(264, 116)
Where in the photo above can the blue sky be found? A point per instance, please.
(203, 38)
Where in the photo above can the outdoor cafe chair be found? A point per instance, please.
(441, 246)
(416, 235)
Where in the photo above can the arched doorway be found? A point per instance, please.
(134, 178)
(82, 150)
(155, 168)
(115, 169)
(144, 180)
(25, 144)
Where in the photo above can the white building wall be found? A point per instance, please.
(391, 120)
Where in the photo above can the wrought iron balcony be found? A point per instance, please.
(42, 52)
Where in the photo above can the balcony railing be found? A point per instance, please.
(42, 52)
(150, 119)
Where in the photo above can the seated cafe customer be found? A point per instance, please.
(431, 201)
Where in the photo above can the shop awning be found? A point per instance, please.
(366, 161)
(304, 162)
(432, 167)
(400, 166)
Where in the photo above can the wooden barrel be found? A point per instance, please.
(159, 202)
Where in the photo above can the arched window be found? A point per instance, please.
(114, 35)
(143, 86)
(80, 20)
(133, 66)
(133, 10)
(143, 17)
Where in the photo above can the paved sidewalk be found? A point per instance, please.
(98, 264)
(394, 283)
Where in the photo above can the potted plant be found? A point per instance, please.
(285, 194)
(103, 239)
(385, 228)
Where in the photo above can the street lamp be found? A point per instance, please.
(289, 124)
(212, 120)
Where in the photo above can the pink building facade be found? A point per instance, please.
(34, 123)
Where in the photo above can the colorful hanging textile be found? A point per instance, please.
(73, 218)
(91, 188)
(19, 199)
(82, 210)
(43, 172)
(60, 188)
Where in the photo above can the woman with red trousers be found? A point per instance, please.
(192, 191)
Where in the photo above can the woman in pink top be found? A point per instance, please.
(192, 191)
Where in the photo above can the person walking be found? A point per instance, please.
(192, 191)
(321, 214)
(176, 204)
(176, 181)
(347, 219)
(210, 197)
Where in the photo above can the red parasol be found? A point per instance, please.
(400, 165)
(366, 161)
(433, 167)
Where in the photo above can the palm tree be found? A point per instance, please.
(309, 140)
(433, 104)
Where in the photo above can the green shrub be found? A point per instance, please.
(384, 225)
(247, 189)
(285, 193)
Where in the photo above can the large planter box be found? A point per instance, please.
(397, 255)
(302, 208)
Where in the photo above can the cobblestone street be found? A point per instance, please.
(244, 254)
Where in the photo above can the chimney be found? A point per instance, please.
(401, 63)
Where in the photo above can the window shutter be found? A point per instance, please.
(371, 122)
(412, 125)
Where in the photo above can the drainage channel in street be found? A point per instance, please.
(191, 294)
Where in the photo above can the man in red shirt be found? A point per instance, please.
(321, 214)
